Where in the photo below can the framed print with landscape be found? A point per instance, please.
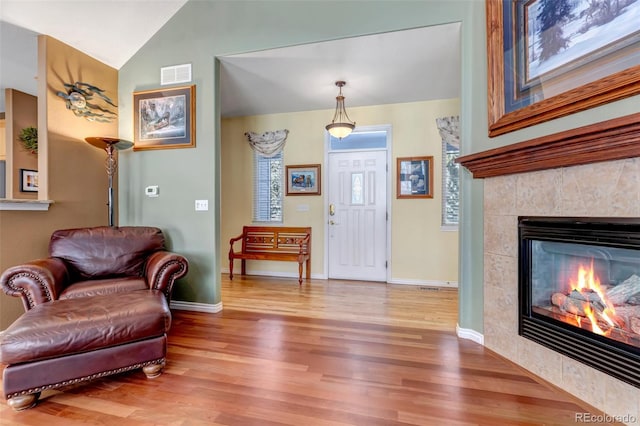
(303, 179)
(548, 59)
(28, 180)
(164, 118)
(415, 177)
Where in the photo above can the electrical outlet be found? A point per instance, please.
(152, 191)
(202, 205)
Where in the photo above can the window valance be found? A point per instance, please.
(449, 128)
(269, 143)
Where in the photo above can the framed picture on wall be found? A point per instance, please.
(28, 180)
(548, 59)
(164, 118)
(414, 177)
(303, 179)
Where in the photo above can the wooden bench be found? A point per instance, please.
(284, 243)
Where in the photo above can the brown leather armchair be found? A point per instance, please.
(104, 260)
(98, 305)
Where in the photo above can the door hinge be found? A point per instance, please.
(386, 264)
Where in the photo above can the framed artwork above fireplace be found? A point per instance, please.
(535, 75)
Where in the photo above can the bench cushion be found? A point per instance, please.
(65, 327)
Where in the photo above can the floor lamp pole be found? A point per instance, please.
(112, 166)
(110, 145)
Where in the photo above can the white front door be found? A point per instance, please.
(358, 215)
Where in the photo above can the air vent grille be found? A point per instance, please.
(175, 74)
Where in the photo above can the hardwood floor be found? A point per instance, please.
(326, 353)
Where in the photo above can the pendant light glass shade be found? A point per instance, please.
(341, 126)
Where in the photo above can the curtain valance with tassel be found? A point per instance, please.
(449, 128)
(267, 144)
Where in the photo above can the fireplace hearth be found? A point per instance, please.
(579, 290)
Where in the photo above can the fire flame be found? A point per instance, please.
(586, 282)
(587, 279)
(594, 322)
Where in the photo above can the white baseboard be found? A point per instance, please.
(467, 333)
(196, 307)
(402, 281)
(430, 283)
(273, 274)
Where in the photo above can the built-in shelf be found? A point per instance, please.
(25, 205)
(609, 140)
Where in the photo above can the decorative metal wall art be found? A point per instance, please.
(82, 99)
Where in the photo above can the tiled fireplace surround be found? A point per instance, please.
(592, 189)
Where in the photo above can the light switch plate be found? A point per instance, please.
(202, 205)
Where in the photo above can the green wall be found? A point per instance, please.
(205, 29)
(197, 34)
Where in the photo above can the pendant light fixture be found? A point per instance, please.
(341, 126)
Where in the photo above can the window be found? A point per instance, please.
(359, 140)
(267, 188)
(450, 184)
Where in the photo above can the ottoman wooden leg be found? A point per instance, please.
(23, 402)
(152, 371)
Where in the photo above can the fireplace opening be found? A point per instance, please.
(579, 290)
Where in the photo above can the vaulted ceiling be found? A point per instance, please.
(394, 67)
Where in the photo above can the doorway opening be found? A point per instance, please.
(357, 214)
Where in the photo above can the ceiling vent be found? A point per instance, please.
(175, 74)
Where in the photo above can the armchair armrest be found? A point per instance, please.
(36, 282)
(163, 269)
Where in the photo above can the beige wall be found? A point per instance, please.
(75, 171)
(21, 111)
(421, 251)
(3, 139)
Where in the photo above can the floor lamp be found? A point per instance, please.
(110, 145)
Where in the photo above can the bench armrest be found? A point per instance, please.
(36, 282)
(163, 269)
(231, 241)
(302, 242)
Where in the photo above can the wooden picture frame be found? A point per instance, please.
(414, 177)
(519, 96)
(164, 118)
(303, 179)
(28, 180)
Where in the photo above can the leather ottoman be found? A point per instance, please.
(71, 340)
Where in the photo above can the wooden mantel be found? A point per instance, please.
(609, 140)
